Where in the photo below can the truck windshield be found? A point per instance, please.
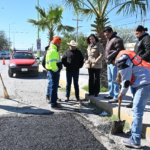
(22, 55)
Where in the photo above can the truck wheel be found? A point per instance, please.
(10, 74)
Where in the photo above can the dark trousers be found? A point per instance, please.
(94, 81)
(75, 76)
(53, 88)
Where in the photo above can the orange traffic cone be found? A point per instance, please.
(3, 61)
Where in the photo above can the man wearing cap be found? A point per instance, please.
(134, 72)
(113, 43)
(53, 65)
(73, 60)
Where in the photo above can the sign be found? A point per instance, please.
(39, 44)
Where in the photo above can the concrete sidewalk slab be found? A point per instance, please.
(126, 113)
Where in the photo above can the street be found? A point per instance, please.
(28, 122)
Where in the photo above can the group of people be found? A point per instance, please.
(132, 66)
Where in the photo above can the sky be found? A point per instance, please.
(15, 13)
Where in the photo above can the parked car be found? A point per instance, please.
(41, 58)
(22, 62)
(3, 55)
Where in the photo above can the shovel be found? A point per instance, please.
(118, 125)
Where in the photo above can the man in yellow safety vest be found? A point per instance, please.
(53, 66)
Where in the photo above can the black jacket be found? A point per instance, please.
(142, 47)
(72, 60)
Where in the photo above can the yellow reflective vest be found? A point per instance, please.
(52, 58)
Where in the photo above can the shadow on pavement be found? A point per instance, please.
(25, 108)
(30, 76)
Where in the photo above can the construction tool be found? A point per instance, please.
(118, 125)
(4, 88)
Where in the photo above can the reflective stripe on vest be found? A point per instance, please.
(136, 60)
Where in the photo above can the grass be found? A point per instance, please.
(102, 89)
(109, 117)
(64, 90)
(115, 118)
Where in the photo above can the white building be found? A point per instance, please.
(129, 46)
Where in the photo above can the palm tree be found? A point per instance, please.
(51, 20)
(99, 9)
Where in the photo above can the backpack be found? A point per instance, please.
(44, 59)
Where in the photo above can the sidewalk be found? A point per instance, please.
(126, 113)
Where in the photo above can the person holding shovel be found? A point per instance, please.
(134, 72)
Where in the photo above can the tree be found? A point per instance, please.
(4, 44)
(51, 20)
(127, 34)
(67, 37)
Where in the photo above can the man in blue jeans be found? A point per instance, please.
(113, 43)
(134, 72)
(73, 60)
(53, 66)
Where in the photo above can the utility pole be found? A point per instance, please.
(38, 51)
(77, 27)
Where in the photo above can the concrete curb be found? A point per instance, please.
(105, 106)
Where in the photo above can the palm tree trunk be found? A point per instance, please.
(103, 75)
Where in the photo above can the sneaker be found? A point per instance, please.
(57, 107)
(108, 97)
(47, 97)
(129, 105)
(130, 142)
(113, 101)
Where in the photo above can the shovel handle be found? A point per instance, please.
(2, 80)
(119, 110)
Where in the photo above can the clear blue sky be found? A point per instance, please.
(16, 13)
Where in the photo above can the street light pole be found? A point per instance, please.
(9, 36)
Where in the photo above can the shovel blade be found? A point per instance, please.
(117, 127)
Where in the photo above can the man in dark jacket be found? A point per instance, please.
(113, 43)
(73, 60)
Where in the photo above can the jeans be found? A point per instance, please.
(48, 86)
(75, 76)
(113, 86)
(94, 81)
(133, 90)
(53, 82)
(142, 96)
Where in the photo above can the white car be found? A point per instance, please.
(41, 58)
(4, 56)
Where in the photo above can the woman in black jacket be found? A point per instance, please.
(142, 48)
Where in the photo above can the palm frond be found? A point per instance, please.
(132, 7)
(62, 28)
(41, 11)
(86, 13)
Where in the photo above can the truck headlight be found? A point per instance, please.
(12, 65)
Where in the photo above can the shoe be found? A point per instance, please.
(90, 94)
(129, 105)
(66, 99)
(58, 106)
(108, 97)
(78, 99)
(113, 101)
(95, 95)
(58, 99)
(47, 97)
(130, 142)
